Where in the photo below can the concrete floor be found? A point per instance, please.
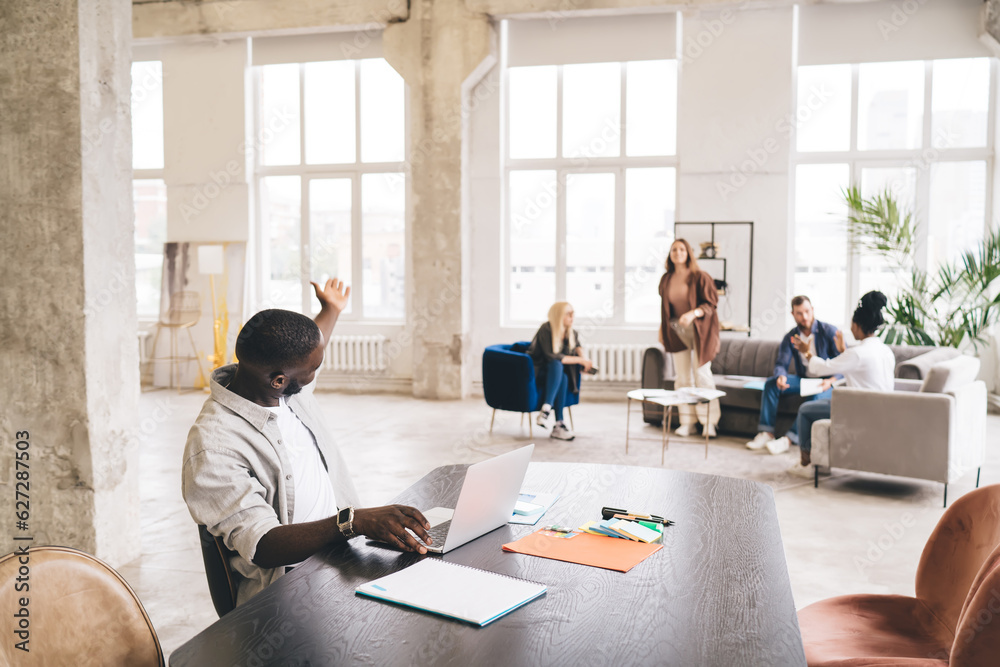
(856, 533)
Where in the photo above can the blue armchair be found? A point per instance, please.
(509, 382)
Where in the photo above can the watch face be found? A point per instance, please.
(343, 515)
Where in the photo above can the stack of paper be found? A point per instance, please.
(639, 531)
(585, 549)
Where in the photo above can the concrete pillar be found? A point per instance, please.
(68, 317)
(441, 51)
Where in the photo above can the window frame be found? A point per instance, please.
(922, 159)
(563, 167)
(309, 172)
(157, 174)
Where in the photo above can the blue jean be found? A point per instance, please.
(556, 386)
(769, 404)
(811, 412)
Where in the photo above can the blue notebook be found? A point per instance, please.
(456, 591)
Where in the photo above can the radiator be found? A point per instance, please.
(616, 363)
(355, 354)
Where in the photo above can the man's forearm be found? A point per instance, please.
(326, 320)
(286, 545)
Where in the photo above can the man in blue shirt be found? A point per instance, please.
(821, 338)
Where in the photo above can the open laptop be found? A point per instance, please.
(486, 502)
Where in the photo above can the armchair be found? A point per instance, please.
(509, 382)
(934, 430)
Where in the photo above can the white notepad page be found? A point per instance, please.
(458, 591)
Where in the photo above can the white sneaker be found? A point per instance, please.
(709, 430)
(760, 441)
(560, 432)
(684, 430)
(778, 446)
(546, 417)
(799, 470)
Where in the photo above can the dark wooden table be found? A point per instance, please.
(716, 594)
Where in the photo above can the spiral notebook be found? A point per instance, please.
(456, 591)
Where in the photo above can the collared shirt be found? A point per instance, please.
(868, 365)
(237, 476)
(823, 345)
(810, 340)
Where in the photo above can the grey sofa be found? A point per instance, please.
(933, 430)
(741, 360)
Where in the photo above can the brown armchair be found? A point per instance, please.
(954, 620)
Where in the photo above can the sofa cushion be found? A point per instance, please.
(745, 356)
(949, 375)
(917, 367)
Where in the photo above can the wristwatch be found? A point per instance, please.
(345, 520)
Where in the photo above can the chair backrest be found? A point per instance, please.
(964, 538)
(745, 356)
(221, 578)
(977, 638)
(183, 309)
(79, 612)
(509, 379)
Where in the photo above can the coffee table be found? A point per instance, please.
(668, 400)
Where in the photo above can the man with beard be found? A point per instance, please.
(260, 468)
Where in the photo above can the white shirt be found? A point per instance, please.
(811, 340)
(314, 499)
(867, 365)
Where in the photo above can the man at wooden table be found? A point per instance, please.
(261, 470)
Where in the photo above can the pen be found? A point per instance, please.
(613, 513)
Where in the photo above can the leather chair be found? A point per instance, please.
(80, 612)
(221, 578)
(509, 382)
(954, 619)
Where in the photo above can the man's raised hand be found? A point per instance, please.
(333, 294)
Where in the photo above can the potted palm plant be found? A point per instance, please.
(959, 301)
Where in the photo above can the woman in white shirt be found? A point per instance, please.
(867, 365)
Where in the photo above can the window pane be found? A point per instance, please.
(959, 102)
(876, 272)
(329, 113)
(330, 231)
(282, 221)
(150, 198)
(147, 116)
(590, 244)
(383, 241)
(532, 111)
(649, 230)
(279, 120)
(823, 114)
(592, 110)
(651, 108)
(532, 244)
(383, 116)
(821, 237)
(890, 105)
(958, 209)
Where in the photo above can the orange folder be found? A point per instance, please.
(610, 553)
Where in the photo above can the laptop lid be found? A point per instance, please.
(488, 495)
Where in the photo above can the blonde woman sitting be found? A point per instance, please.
(555, 349)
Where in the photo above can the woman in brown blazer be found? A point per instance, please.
(689, 328)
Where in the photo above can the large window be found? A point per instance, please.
(148, 189)
(918, 129)
(590, 174)
(330, 184)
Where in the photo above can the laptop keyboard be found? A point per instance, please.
(439, 532)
